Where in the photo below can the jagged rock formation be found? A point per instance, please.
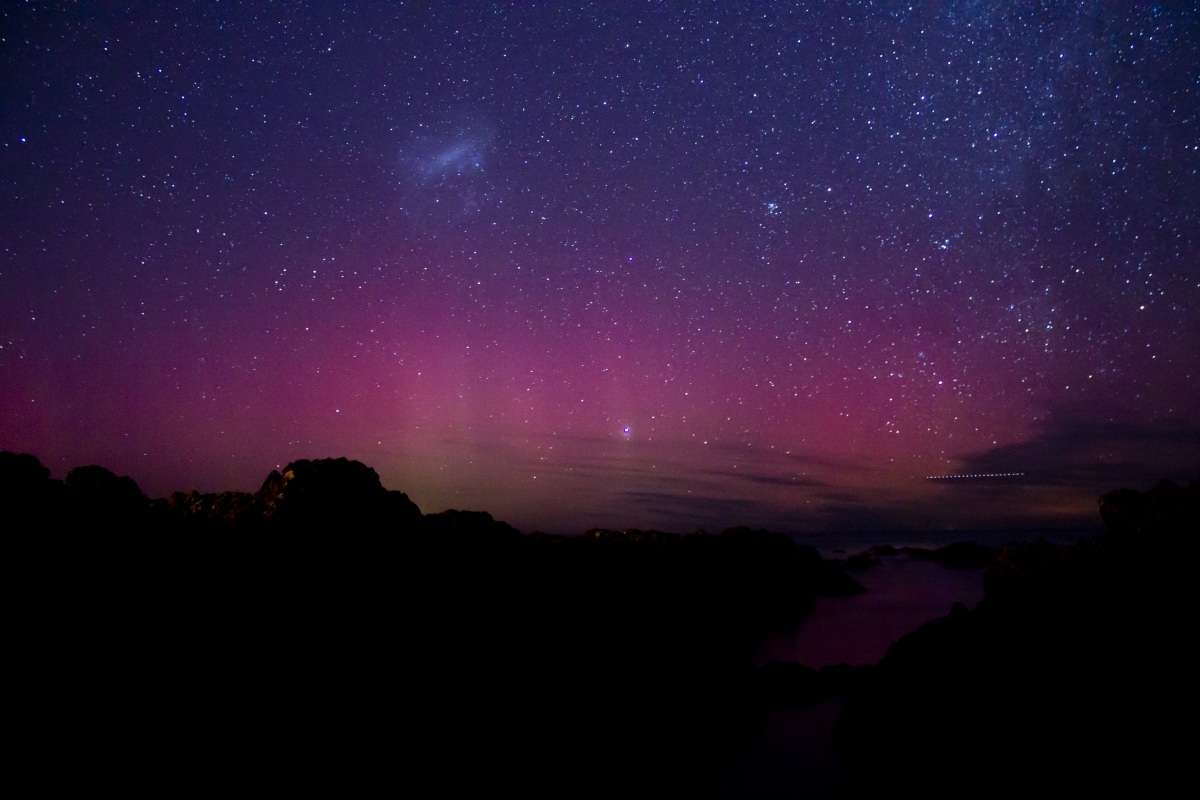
(333, 494)
(226, 508)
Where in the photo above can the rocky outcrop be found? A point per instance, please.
(226, 508)
(98, 498)
(318, 496)
(471, 528)
(90, 499)
(30, 501)
(332, 494)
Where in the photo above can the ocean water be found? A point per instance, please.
(902, 595)
(794, 757)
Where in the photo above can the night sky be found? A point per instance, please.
(664, 265)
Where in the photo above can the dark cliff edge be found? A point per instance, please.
(1071, 677)
(323, 633)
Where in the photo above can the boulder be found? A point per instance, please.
(332, 494)
(29, 498)
(96, 496)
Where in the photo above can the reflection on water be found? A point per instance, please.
(902, 594)
(795, 755)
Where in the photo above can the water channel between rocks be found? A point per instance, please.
(794, 756)
(902, 594)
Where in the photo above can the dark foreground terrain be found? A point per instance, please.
(323, 634)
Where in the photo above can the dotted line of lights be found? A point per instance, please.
(980, 475)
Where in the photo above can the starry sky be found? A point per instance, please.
(647, 264)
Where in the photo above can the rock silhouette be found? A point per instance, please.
(91, 498)
(195, 510)
(29, 499)
(97, 496)
(333, 494)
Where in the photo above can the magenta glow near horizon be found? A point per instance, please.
(652, 267)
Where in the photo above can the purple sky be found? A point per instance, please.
(806, 256)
